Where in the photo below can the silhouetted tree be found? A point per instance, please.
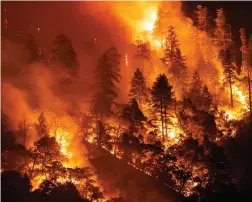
(50, 192)
(222, 31)
(15, 187)
(207, 100)
(143, 49)
(246, 50)
(174, 58)
(42, 126)
(195, 91)
(202, 18)
(227, 59)
(64, 54)
(139, 89)
(162, 94)
(107, 74)
(33, 50)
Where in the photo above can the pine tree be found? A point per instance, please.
(174, 58)
(107, 74)
(143, 49)
(139, 89)
(42, 126)
(249, 68)
(171, 46)
(33, 50)
(202, 18)
(161, 24)
(246, 50)
(64, 54)
(207, 100)
(195, 91)
(137, 114)
(228, 71)
(222, 31)
(162, 95)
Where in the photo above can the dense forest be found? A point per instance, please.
(186, 122)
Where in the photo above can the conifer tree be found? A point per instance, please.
(249, 70)
(64, 54)
(161, 24)
(33, 50)
(162, 95)
(173, 57)
(202, 18)
(107, 75)
(195, 91)
(222, 32)
(228, 71)
(139, 89)
(143, 49)
(207, 100)
(42, 126)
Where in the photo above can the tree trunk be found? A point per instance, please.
(249, 88)
(165, 114)
(231, 92)
(162, 119)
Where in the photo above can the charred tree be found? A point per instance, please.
(162, 94)
(107, 75)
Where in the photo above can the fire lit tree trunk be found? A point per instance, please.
(249, 88)
(165, 114)
(162, 118)
(230, 87)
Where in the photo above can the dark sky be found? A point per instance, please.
(239, 13)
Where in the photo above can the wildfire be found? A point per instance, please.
(63, 138)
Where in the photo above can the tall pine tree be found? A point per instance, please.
(64, 54)
(161, 24)
(195, 90)
(229, 70)
(139, 89)
(107, 75)
(249, 71)
(173, 57)
(33, 50)
(162, 95)
(222, 31)
(202, 18)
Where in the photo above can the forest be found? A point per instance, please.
(173, 108)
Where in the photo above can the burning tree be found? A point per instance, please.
(162, 95)
(173, 57)
(195, 90)
(222, 31)
(107, 74)
(227, 59)
(161, 23)
(202, 18)
(143, 49)
(42, 126)
(246, 50)
(139, 89)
